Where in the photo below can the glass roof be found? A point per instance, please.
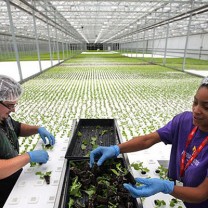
(98, 21)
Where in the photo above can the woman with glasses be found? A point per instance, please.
(11, 162)
(188, 165)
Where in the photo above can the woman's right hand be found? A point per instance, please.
(103, 153)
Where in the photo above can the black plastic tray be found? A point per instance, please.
(90, 133)
(105, 169)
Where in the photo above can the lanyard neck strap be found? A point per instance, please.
(183, 167)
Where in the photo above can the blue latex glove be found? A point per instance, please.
(104, 153)
(45, 134)
(38, 156)
(151, 186)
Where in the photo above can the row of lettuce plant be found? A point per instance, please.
(141, 97)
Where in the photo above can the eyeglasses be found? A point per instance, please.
(9, 106)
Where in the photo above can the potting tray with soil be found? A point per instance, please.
(100, 187)
(91, 133)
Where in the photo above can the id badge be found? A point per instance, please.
(179, 183)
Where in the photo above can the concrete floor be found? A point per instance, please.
(201, 73)
(29, 68)
(198, 72)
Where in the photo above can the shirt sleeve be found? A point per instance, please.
(178, 127)
(165, 133)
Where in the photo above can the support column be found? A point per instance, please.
(187, 37)
(36, 37)
(14, 39)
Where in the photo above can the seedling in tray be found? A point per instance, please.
(84, 144)
(174, 202)
(139, 166)
(45, 176)
(159, 203)
(103, 132)
(100, 186)
(47, 147)
(89, 134)
(162, 172)
(79, 134)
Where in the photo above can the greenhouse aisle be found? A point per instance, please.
(198, 72)
(29, 68)
(145, 55)
(201, 73)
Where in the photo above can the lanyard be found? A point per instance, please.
(183, 167)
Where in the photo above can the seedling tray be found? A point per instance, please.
(105, 182)
(91, 133)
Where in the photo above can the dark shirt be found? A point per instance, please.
(9, 148)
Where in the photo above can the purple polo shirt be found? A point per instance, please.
(176, 133)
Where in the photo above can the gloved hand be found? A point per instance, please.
(38, 156)
(44, 133)
(151, 186)
(104, 153)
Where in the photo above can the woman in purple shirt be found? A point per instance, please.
(188, 135)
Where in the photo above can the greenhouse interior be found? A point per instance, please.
(100, 73)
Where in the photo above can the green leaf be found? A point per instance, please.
(48, 173)
(79, 134)
(93, 139)
(38, 173)
(75, 187)
(91, 191)
(71, 203)
(115, 172)
(83, 146)
(84, 142)
(104, 132)
(137, 166)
